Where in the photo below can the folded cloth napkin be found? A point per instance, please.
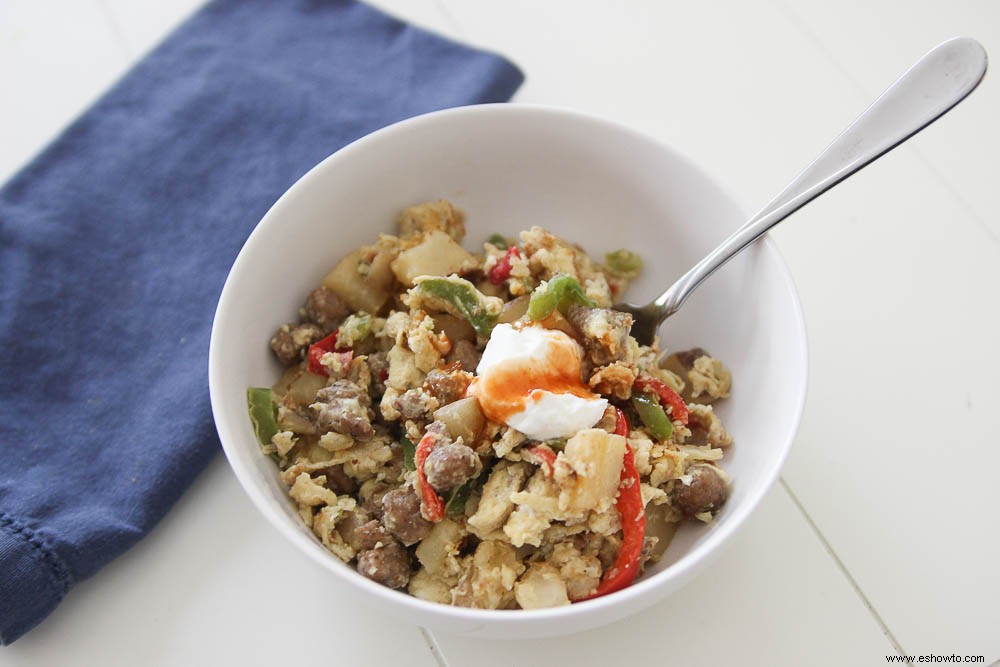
(116, 240)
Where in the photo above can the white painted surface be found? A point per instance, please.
(895, 464)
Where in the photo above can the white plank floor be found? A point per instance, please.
(881, 538)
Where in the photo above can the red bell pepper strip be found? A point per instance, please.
(667, 397)
(316, 352)
(633, 518)
(546, 456)
(501, 271)
(621, 424)
(431, 506)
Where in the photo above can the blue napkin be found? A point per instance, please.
(115, 243)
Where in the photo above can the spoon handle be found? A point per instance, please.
(936, 83)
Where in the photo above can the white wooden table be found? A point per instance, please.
(881, 538)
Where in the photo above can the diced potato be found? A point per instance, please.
(541, 587)
(436, 255)
(425, 586)
(455, 328)
(290, 420)
(558, 322)
(589, 470)
(489, 583)
(496, 505)
(380, 272)
(280, 388)
(300, 384)
(438, 551)
(514, 310)
(360, 284)
(464, 418)
(303, 390)
(438, 215)
(661, 524)
(489, 289)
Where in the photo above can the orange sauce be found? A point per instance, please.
(505, 390)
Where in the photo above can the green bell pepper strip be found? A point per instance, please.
(409, 451)
(456, 502)
(559, 293)
(652, 416)
(666, 395)
(623, 262)
(263, 413)
(460, 298)
(355, 328)
(500, 241)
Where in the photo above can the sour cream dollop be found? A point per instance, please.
(529, 379)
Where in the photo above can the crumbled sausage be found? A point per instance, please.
(649, 553)
(439, 429)
(707, 491)
(293, 418)
(337, 480)
(370, 494)
(615, 379)
(450, 465)
(394, 466)
(415, 404)
(378, 364)
(348, 525)
(448, 384)
(686, 358)
(706, 427)
(370, 535)
(402, 516)
(291, 341)
(344, 407)
(389, 565)
(325, 309)
(608, 551)
(705, 378)
(465, 352)
(604, 332)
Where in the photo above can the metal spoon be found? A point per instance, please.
(924, 93)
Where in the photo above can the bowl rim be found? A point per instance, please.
(642, 590)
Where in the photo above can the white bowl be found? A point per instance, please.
(510, 166)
